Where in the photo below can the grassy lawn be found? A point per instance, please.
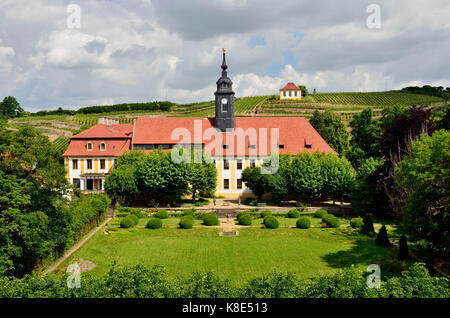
(254, 252)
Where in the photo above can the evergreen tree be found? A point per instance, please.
(403, 248)
(368, 224)
(382, 238)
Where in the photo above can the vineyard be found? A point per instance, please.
(61, 143)
(344, 104)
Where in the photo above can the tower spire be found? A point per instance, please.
(224, 62)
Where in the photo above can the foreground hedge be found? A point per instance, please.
(139, 281)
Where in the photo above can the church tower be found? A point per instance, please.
(224, 100)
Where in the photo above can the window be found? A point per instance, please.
(103, 146)
(239, 184)
(226, 184)
(290, 93)
(102, 164)
(295, 93)
(89, 146)
(281, 146)
(75, 164)
(252, 163)
(250, 146)
(239, 164)
(225, 146)
(224, 85)
(224, 105)
(284, 93)
(226, 164)
(89, 164)
(76, 183)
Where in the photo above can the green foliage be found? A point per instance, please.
(265, 213)
(161, 214)
(245, 219)
(10, 107)
(365, 133)
(154, 223)
(189, 212)
(127, 222)
(382, 238)
(121, 183)
(403, 252)
(426, 176)
(329, 125)
(203, 176)
(320, 213)
(303, 222)
(356, 223)
(331, 221)
(210, 219)
(186, 222)
(271, 222)
(367, 227)
(293, 214)
(255, 180)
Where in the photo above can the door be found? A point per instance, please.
(89, 184)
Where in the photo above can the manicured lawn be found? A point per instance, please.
(254, 252)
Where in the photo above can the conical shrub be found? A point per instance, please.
(403, 252)
(382, 238)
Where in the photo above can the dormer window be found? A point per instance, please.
(102, 146)
(225, 146)
(281, 146)
(89, 146)
(250, 146)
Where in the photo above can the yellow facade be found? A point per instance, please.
(292, 97)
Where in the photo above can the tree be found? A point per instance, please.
(382, 238)
(10, 107)
(330, 126)
(278, 179)
(256, 181)
(303, 90)
(121, 183)
(365, 133)
(203, 177)
(338, 176)
(305, 179)
(425, 175)
(403, 252)
(367, 227)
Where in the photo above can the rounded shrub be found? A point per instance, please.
(320, 213)
(127, 222)
(245, 219)
(242, 213)
(293, 214)
(271, 222)
(190, 212)
(210, 219)
(266, 213)
(303, 223)
(331, 221)
(137, 213)
(162, 214)
(186, 222)
(134, 218)
(356, 223)
(154, 223)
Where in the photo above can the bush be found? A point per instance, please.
(293, 214)
(127, 222)
(162, 214)
(210, 219)
(320, 213)
(190, 212)
(331, 221)
(382, 238)
(303, 223)
(266, 213)
(240, 214)
(271, 222)
(121, 210)
(154, 223)
(356, 223)
(186, 222)
(367, 227)
(403, 252)
(245, 219)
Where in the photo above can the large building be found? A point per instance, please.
(234, 143)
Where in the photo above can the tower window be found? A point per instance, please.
(224, 85)
(224, 104)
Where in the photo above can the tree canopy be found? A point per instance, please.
(330, 126)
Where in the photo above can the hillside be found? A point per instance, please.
(344, 104)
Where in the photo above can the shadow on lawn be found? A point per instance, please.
(363, 252)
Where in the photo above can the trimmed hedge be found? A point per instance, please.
(356, 223)
(303, 223)
(210, 219)
(154, 223)
(161, 214)
(320, 213)
(293, 214)
(245, 219)
(127, 222)
(190, 212)
(271, 222)
(266, 213)
(331, 221)
(186, 222)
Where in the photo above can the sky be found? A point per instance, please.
(117, 51)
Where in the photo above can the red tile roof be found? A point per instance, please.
(294, 133)
(290, 87)
(104, 132)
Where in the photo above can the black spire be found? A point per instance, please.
(224, 100)
(224, 64)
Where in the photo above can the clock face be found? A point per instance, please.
(224, 100)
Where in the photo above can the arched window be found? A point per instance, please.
(102, 146)
(89, 146)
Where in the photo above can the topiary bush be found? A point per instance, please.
(320, 213)
(266, 213)
(303, 223)
(403, 252)
(190, 212)
(137, 213)
(186, 222)
(162, 214)
(154, 223)
(382, 238)
(210, 219)
(331, 221)
(271, 222)
(134, 218)
(245, 219)
(356, 223)
(367, 227)
(293, 214)
(240, 214)
(127, 222)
